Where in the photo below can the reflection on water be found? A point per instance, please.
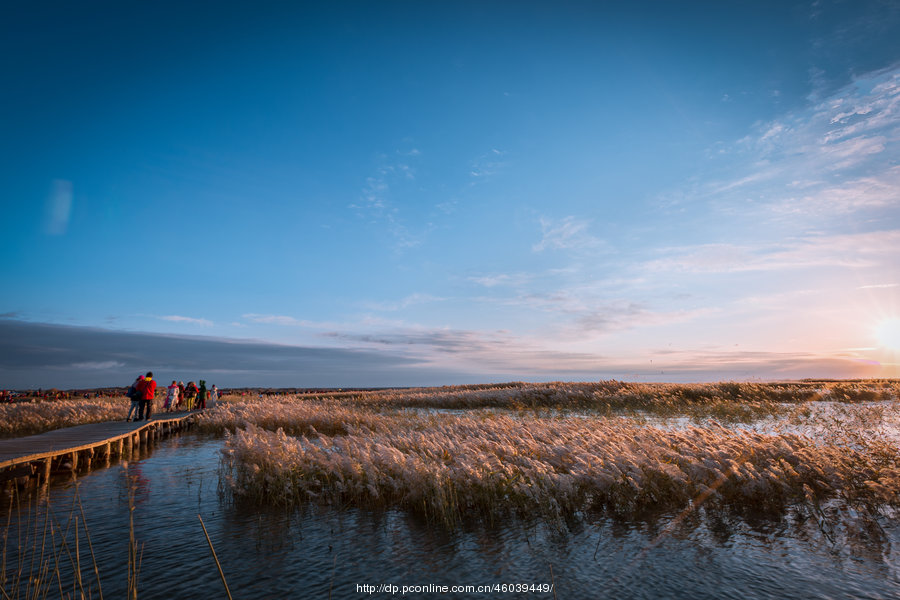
(322, 553)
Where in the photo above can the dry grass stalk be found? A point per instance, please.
(216, 558)
(42, 557)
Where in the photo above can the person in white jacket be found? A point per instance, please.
(171, 396)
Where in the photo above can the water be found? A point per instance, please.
(816, 419)
(322, 553)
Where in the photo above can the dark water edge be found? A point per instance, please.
(320, 553)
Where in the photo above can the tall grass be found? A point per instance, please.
(295, 416)
(449, 466)
(845, 424)
(27, 418)
(45, 556)
(587, 394)
(727, 401)
(370, 449)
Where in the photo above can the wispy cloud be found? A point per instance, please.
(841, 152)
(503, 280)
(843, 250)
(569, 233)
(377, 198)
(373, 194)
(99, 366)
(534, 359)
(871, 192)
(488, 164)
(58, 208)
(586, 312)
(403, 303)
(189, 320)
(877, 286)
(286, 321)
(738, 364)
(474, 351)
(273, 319)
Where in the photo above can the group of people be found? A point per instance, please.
(178, 397)
(190, 396)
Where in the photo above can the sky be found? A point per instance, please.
(370, 194)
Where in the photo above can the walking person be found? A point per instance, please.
(147, 389)
(171, 396)
(190, 393)
(134, 395)
(201, 395)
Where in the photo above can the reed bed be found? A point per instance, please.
(843, 424)
(27, 418)
(726, 401)
(295, 416)
(450, 466)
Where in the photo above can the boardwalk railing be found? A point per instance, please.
(36, 457)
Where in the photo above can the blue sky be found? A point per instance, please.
(427, 193)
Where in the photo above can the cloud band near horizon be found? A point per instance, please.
(34, 355)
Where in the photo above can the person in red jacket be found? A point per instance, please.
(147, 389)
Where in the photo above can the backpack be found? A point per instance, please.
(132, 392)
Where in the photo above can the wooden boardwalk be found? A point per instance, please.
(69, 448)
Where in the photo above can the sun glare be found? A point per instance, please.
(888, 334)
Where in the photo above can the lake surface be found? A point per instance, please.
(321, 553)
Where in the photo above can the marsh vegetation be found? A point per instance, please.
(568, 451)
(820, 458)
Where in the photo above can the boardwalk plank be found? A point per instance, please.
(30, 448)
